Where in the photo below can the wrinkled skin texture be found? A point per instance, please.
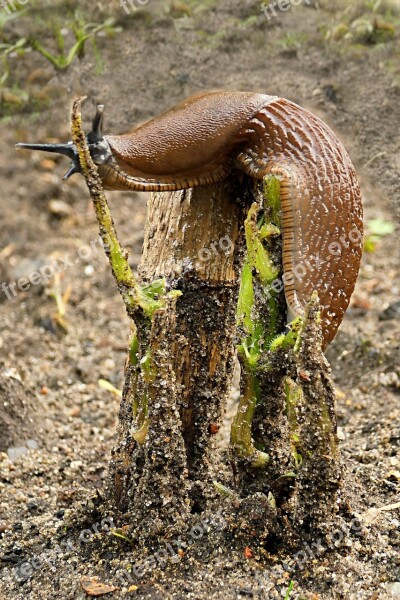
(201, 139)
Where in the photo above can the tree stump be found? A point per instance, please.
(210, 264)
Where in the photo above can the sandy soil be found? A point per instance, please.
(50, 365)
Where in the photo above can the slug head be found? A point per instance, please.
(98, 147)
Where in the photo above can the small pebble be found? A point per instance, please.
(15, 453)
(59, 208)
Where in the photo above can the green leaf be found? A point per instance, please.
(223, 490)
(123, 537)
(380, 227)
(289, 590)
(370, 243)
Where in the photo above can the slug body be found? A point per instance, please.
(201, 139)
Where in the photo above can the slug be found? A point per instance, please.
(203, 138)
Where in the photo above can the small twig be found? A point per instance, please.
(116, 254)
(378, 155)
(106, 385)
(149, 298)
(61, 301)
(7, 251)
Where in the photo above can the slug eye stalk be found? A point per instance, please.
(99, 149)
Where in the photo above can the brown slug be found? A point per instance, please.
(203, 138)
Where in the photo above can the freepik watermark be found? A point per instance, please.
(12, 6)
(315, 262)
(223, 246)
(173, 551)
(44, 274)
(27, 569)
(316, 549)
(269, 10)
(170, 553)
(130, 6)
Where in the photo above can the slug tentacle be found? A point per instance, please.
(201, 139)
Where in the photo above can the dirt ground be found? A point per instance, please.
(59, 337)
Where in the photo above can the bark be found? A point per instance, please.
(193, 239)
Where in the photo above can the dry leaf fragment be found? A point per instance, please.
(372, 513)
(106, 385)
(93, 587)
(304, 375)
